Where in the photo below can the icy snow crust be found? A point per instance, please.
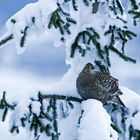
(95, 123)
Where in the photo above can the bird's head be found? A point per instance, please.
(88, 68)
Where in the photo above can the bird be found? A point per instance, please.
(98, 85)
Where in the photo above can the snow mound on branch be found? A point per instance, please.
(131, 99)
(34, 16)
(135, 121)
(68, 126)
(95, 123)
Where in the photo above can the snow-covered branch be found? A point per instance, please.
(103, 31)
(89, 30)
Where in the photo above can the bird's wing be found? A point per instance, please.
(106, 82)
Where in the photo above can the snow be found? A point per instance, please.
(95, 123)
(20, 86)
(20, 80)
(135, 121)
(36, 106)
(8, 136)
(131, 99)
(39, 11)
(94, 118)
(68, 126)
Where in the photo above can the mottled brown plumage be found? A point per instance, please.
(93, 84)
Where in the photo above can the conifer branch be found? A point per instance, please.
(61, 97)
(75, 6)
(23, 38)
(102, 67)
(115, 127)
(62, 24)
(126, 58)
(134, 11)
(6, 39)
(87, 36)
(14, 128)
(4, 105)
(95, 6)
(119, 6)
(107, 56)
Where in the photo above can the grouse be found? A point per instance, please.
(97, 85)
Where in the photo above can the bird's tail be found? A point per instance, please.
(119, 101)
(119, 92)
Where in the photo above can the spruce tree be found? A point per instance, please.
(90, 30)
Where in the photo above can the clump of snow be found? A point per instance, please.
(37, 20)
(136, 120)
(131, 99)
(68, 126)
(7, 135)
(95, 122)
(36, 106)
(36, 17)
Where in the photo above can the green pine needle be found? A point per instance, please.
(23, 38)
(6, 39)
(116, 128)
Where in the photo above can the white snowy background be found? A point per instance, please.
(41, 66)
